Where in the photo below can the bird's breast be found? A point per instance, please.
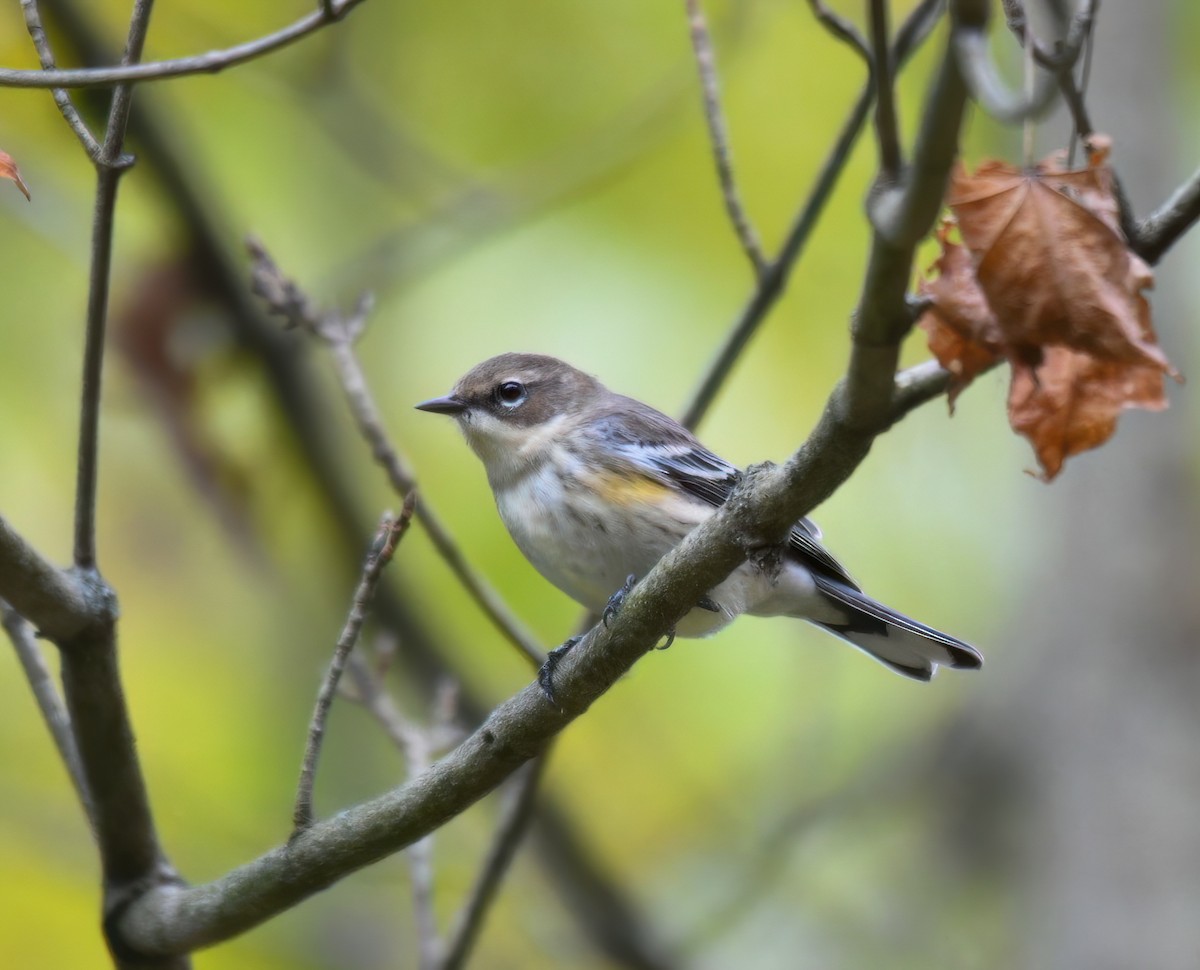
(587, 530)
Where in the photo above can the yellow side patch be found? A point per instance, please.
(621, 490)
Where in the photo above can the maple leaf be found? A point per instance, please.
(1045, 278)
(1054, 271)
(1072, 402)
(9, 170)
(962, 330)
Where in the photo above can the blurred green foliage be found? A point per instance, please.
(503, 176)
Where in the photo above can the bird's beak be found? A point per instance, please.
(443, 405)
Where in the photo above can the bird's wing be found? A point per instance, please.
(665, 450)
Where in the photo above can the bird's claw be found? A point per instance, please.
(710, 604)
(617, 600)
(670, 635)
(545, 674)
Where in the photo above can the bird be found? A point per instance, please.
(595, 487)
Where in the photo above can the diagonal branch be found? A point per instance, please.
(284, 297)
(515, 819)
(887, 126)
(110, 163)
(211, 62)
(33, 23)
(391, 530)
(842, 29)
(771, 287)
(1163, 227)
(54, 712)
(718, 134)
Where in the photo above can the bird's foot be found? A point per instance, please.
(545, 674)
(710, 604)
(617, 600)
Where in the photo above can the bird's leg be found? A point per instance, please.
(615, 602)
(545, 674)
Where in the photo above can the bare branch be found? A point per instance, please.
(109, 164)
(209, 63)
(1060, 62)
(887, 127)
(54, 712)
(389, 535)
(774, 282)
(1163, 227)
(33, 23)
(842, 29)
(989, 89)
(60, 603)
(918, 385)
(514, 821)
(285, 298)
(718, 134)
(419, 745)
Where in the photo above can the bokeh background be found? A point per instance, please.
(535, 176)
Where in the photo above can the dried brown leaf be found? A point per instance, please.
(962, 330)
(9, 170)
(1071, 402)
(1052, 263)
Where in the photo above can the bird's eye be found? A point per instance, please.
(511, 394)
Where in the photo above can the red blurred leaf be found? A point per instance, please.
(9, 170)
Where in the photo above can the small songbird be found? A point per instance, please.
(596, 487)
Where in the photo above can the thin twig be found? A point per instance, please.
(718, 134)
(33, 23)
(390, 532)
(285, 298)
(515, 817)
(109, 166)
(772, 285)
(1160, 230)
(918, 385)
(841, 28)
(887, 129)
(419, 745)
(1060, 62)
(207, 63)
(54, 711)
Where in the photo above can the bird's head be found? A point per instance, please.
(512, 405)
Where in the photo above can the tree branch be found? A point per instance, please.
(110, 163)
(208, 63)
(391, 530)
(285, 298)
(60, 603)
(887, 127)
(515, 819)
(718, 134)
(54, 712)
(1159, 231)
(33, 23)
(774, 282)
(842, 29)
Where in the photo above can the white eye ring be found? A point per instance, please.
(511, 394)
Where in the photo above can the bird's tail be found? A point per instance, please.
(908, 647)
